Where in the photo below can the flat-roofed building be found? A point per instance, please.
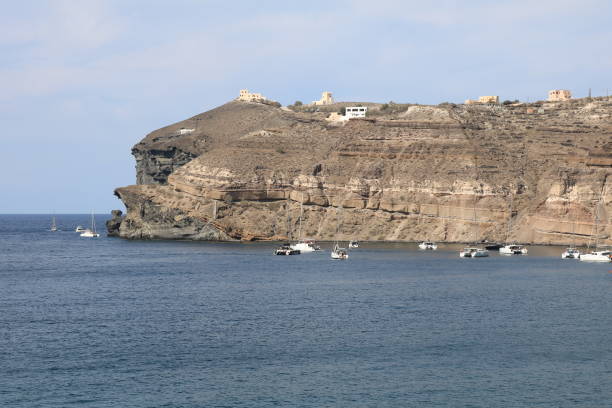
(246, 96)
(559, 95)
(355, 112)
(488, 99)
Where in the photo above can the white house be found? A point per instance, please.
(355, 112)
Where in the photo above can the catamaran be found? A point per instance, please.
(91, 232)
(603, 254)
(512, 249)
(571, 253)
(474, 252)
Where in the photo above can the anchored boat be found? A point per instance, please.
(474, 253)
(428, 245)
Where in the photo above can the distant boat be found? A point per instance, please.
(597, 256)
(304, 245)
(53, 225)
(428, 245)
(339, 253)
(571, 253)
(353, 244)
(473, 253)
(79, 228)
(603, 254)
(513, 249)
(91, 232)
(285, 249)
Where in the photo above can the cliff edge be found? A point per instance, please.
(532, 173)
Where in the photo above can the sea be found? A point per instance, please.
(114, 323)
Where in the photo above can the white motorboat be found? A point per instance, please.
(428, 245)
(79, 228)
(286, 249)
(339, 253)
(597, 256)
(306, 245)
(474, 253)
(512, 249)
(91, 232)
(571, 253)
(353, 244)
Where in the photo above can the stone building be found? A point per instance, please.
(489, 99)
(326, 99)
(246, 96)
(559, 95)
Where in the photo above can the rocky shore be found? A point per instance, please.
(532, 173)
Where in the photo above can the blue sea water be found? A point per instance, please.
(113, 323)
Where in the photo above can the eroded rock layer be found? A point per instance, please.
(533, 173)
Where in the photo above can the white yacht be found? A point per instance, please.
(306, 245)
(79, 228)
(353, 244)
(474, 253)
(91, 232)
(285, 249)
(597, 256)
(512, 249)
(428, 245)
(339, 253)
(571, 253)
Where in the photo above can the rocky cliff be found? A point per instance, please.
(533, 173)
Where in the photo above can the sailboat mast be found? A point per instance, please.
(301, 215)
(509, 220)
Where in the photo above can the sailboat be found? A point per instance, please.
(91, 232)
(512, 249)
(598, 255)
(304, 245)
(338, 252)
(474, 252)
(572, 252)
(53, 225)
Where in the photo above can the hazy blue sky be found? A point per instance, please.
(82, 81)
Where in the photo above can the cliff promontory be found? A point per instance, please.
(533, 173)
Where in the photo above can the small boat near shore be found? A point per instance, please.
(597, 256)
(353, 244)
(286, 249)
(428, 246)
(513, 249)
(474, 253)
(305, 246)
(339, 253)
(571, 253)
(91, 232)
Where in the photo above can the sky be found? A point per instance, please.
(82, 81)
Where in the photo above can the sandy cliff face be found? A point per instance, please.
(448, 173)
